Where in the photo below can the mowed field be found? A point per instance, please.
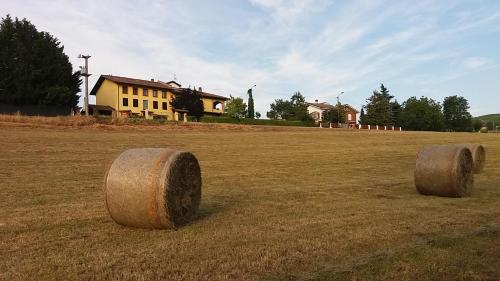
(277, 204)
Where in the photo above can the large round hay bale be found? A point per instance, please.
(478, 157)
(153, 188)
(444, 171)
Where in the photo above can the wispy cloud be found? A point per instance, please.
(475, 62)
(318, 47)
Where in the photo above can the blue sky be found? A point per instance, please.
(320, 48)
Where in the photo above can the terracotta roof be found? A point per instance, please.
(208, 95)
(146, 83)
(203, 94)
(172, 82)
(327, 106)
(352, 108)
(322, 105)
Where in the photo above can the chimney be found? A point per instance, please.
(316, 101)
(152, 79)
(199, 89)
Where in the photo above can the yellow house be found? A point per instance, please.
(127, 97)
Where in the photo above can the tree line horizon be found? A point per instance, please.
(35, 70)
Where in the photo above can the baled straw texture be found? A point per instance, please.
(153, 188)
(444, 171)
(478, 157)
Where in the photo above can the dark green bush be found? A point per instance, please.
(245, 121)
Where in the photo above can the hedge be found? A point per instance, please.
(246, 121)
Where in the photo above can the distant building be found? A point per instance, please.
(316, 110)
(128, 97)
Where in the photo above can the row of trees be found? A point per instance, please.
(417, 114)
(237, 108)
(34, 68)
(294, 109)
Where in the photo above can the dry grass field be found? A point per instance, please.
(277, 204)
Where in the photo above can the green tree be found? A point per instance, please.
(422, 114)
(280, 109)
(34, 68)
(456, 114)
(299, 108)
(251, 109)
(362, 117)
(189, 100)
(332, 115)
(236, 107)
(294, 109)
(396, 113)
(477, 124)
(379, 108)
(257, 115)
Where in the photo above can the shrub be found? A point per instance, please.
(247, 121)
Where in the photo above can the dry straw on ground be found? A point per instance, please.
(153, 188)
(444, 170)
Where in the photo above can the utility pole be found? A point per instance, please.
(84, 71)
(338, 109)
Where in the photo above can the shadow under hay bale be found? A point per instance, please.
(444, 171)
(153, 188)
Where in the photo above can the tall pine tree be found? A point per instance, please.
(379, 108)
(362, 117)
(251, 110)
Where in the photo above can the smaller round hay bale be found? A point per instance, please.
(153, 188)
(444, 170)
(478, 157)
(483, 130)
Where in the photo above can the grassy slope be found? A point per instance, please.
(490, 117)
(295, 204)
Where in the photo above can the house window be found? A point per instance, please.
(125, 102)
(145, 104)
(134, 91)
(164, 94)
(217, 105)
(164, 105)
(349, 116)
(155, 105)
(145, 92)
(125, 89)
(135, 103)
(155, 93)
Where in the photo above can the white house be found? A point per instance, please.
(316, 109)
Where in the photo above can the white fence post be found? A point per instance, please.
(369, 127)
(377, 127)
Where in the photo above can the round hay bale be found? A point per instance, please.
(153, 188)
(444, 171)
(478, 157)
(483, 130)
